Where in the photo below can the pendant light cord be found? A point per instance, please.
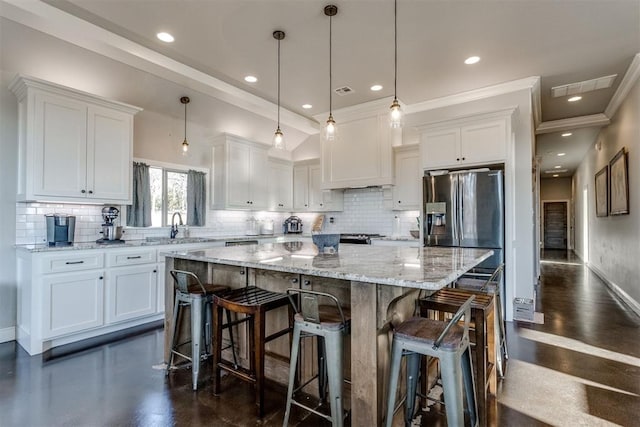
(278, 84)
(330, 64)
(395, 42)
(185, 121)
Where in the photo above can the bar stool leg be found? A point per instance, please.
(293, 362)
(394, 372)
(233, 344)
(469, 385)
(452, 385)
(322, 367)
(334, 345)
(196, 337)
(413, 369)
(174, 334)
(258, 348)
(217, 347)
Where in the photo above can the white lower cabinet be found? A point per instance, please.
(131, 292)
(72, 302)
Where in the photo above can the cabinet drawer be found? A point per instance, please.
(72, 262)
(131, 257)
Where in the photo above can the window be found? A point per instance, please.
(168, 195)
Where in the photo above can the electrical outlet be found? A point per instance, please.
(331, 220)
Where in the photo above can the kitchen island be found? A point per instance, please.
(379, 284)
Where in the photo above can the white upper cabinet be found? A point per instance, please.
(362, 153)
(469, 141)
(73, 146)
(240, 174)
(308, 195)
(280, 185)
(407, 191)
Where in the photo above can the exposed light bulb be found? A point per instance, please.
(396, 114)
(185, 146)
(278, 140)
(330, 129)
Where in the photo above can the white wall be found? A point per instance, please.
(614, 241)
(8, 176)
(555, 188)
(522, 249)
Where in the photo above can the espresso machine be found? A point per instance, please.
(111, 233)
(292, 225)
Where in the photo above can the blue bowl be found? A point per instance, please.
(325, 241)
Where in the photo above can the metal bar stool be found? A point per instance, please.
(329, 324)
(492, 286)
(448, 300)
(190, 292)
(447, 341)
(254, 302)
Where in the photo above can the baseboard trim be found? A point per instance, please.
(8, 334)
(625, 297)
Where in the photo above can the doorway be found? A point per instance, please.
(555, 225)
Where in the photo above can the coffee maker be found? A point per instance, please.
(292, 225)
(111, 233)
(61, 229)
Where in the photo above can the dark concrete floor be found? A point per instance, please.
(581, 367)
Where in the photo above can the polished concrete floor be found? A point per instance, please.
(581, 367)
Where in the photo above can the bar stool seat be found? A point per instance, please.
(447, 341)
(448, 300)
(329, 324)
(255, 303)
(191, 292)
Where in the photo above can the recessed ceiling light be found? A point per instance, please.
(472, 60)
(557, 167)
(574, 98)
(307, 106)
(376, 88)
(165, 37)
(555, 175)
(561, 154)
(567, 134)
(250, 79)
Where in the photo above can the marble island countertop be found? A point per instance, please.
(424, 268)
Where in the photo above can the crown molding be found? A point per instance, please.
(629, 79)
(528, 83)
(360, 111)
(597, 120)
(64, 26)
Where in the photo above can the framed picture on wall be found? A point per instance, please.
(602, 196)
(619, 184)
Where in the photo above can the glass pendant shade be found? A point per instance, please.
(395, 117)
(330, 129)
(278, 140)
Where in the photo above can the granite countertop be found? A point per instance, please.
(150, 241)
(397, 238)
(429, 268)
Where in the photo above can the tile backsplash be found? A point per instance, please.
(364, 212)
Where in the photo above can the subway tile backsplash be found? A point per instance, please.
(364, 212)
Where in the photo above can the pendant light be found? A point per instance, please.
(396, 110)
(278, 137)
(330, 129)
(185, 145)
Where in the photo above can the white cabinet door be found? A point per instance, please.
(131, 292)
(72, 302)
(301, 188)
(407, 192)
(483, 142)
(316, 201)
(280, 186)
(60, 149)
(258, 175)
(440, 148)
(109, 154)
(239, 176)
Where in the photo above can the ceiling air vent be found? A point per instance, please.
(582, 87)
(344, 90)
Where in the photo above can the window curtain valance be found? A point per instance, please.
(196, 198)
(139, 212)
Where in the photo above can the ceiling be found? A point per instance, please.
(563, 42)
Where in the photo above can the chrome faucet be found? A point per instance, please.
(174, 226)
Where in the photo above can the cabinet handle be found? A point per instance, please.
(463, 158)
(242, 272)
(90, 191)
(306, 282)
(74, 262)
(83, 191)
(321, 204)
(100, 278)
(155, 271)
(294, 280)
(306, 205)
(458, 159)
(134, 257)
(399, 201)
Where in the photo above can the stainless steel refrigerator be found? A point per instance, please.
(465, 209)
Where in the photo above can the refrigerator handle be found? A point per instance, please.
(460, 216)
(454, 210)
